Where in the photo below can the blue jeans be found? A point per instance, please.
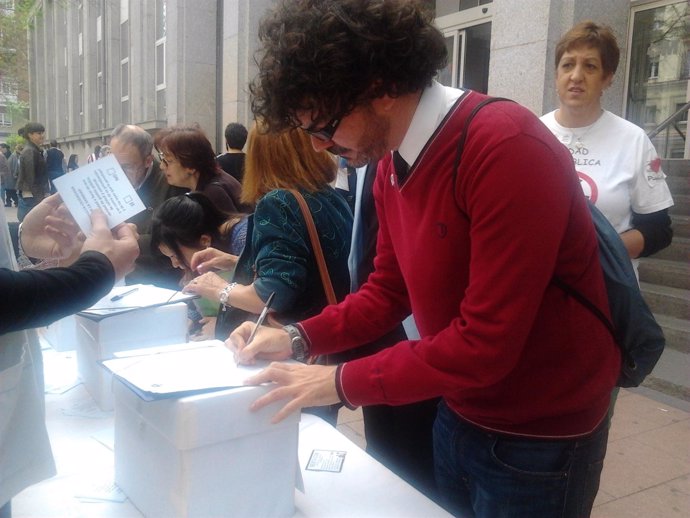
(482, 474)
(24, 206)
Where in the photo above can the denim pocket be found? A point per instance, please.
(529, 458)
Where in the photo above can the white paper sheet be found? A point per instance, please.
(101, 184)
(135, 296)
(205, 365)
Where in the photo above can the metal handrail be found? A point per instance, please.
(670, 120)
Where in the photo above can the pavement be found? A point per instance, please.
(646, 472)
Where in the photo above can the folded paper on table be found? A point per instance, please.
(181, 370)
(141, 296)
(99, 185)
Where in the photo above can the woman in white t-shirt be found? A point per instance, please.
(619, 169)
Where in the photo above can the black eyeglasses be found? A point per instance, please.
(326, 133)
(164, 160)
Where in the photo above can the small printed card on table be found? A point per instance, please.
(99, 185)
(326, 460)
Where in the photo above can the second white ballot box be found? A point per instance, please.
(205, 455)
(101, 333)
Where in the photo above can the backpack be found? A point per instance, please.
(632, 323)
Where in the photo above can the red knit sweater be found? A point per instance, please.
(473, 260)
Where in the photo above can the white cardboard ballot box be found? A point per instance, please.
(100, 337)
(62, 334)
(205, 455)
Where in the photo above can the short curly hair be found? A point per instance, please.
(327, 57)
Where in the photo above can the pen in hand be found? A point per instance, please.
(122, 295)
(262, 317)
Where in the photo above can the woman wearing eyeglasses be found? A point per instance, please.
(188, 160)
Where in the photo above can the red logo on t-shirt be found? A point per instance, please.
(655, 165)
(589, 187)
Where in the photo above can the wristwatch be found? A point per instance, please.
(225, 293)
(300, 350)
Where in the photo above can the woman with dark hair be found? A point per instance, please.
(72, 163)
(619, 169)
(186, 224)
(188, 161)
(278, 257)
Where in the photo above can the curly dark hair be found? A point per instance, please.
(327, 57)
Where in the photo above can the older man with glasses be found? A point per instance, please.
(132, 146)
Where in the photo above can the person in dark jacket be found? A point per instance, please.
(55, 163)
(32, 181)
(35, 298)
(132, 146)
(232, 162)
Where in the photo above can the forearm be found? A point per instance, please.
(246, 298)
(634, 242)
(35, 298)
(650, 233)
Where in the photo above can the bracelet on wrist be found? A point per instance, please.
(225, 294)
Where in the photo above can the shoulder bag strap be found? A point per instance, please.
(316, 246)
(468, 120)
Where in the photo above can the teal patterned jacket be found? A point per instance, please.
(278, 256)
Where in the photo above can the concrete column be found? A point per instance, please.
(523, 39)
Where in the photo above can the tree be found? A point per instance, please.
(15, 19)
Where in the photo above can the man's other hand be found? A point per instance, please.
(119, 246)
(50, 232)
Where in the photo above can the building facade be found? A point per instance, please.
(97, 63)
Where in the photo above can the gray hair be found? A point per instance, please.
(135, 136)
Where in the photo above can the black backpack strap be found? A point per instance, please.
(468, 120)
(569, 290)
(556, 280)
(463, 135)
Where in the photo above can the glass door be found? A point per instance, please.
(659, 71)
(468, 57)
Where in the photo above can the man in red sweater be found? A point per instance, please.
(525, 371)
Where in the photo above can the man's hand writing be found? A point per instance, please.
(269, 343)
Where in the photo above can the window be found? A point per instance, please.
(7, 5)
(161, 18)
(5, 119)
(161, 21)
(124, 79)
(124, 59)
(657, 69)
(654, 68)
(160, 65)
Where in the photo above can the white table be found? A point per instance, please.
(363, 488)
(82, 439)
